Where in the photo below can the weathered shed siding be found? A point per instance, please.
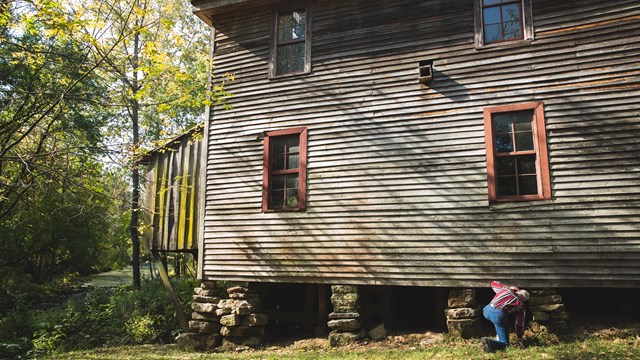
(397, 184)
(171, 200)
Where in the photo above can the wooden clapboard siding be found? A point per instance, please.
(397, 182)
(172, 183)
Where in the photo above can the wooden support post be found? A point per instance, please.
(172, 294)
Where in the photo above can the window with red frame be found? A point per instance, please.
(502, 20)
(517, 160)
(285, 170)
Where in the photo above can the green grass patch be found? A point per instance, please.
(608, 343)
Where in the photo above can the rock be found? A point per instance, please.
(208, 308)
(224, 311)
(547, 308)
(540, 316)
(344, 338)
(461, 298)
(344, 324)
(377, 333)
(231, 320)
(462, 313)
(208, 285)
(256, 320)
(559, 316)
(241, 331)
(236, 343)
(239, 289)
(352, 297)
(193, 341)
(204, 316)
(206, 299)
(343, 289)
(545, 300)
(543, 292)
(465, 328)
(240, 295)
(431, 338)
(338, 315)
(346, 308)
(208, 292)
(204, 327)
(244, 310)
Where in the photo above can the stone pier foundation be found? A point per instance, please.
(345, 322)
(548, 309)
(463, 316)
(204, 327)
(240, 320)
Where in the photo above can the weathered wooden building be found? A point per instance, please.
(424, 143)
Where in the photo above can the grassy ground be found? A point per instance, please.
(587, 342)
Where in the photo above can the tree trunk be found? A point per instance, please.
(135, 174)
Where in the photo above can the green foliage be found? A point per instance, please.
(103, 316)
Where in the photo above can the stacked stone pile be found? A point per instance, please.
(241, 324)
(463, 316)
(204, 326)
(547, 309)
(344, 321)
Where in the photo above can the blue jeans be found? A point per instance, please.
(501, 321)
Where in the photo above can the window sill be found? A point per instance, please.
(521, 203)
(288, 76)
(506, 44)
(283, 210)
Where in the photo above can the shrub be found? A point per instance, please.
(103, 316)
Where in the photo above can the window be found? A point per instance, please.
(517, 163)
(285, 170)
(500, 21)
(290, 44)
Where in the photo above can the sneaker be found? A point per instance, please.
(486, 344)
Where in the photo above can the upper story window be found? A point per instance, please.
(290, 44)
(517, 162)
(285, 170)
(500, 21)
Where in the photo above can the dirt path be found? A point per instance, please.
(115, 277)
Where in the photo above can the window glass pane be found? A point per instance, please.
(277, 182)
(491, 15)
(277, 199)
(504, 143)
(492, 33)
(297, 50)
(524, 141)
(490, 2)
(522, 120)
(299, 18)
(526, 164)
(277, 162)
(506, 165)
(285, 20)
(507, 186)
(501, 123)
(292, 197)
(293, 161)
(511, 12)
(293, 144)
(284, 34)
(292, 181)
(283, 65)
(512, 30)
(277, 145)
(528, 185)
(297, 64)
